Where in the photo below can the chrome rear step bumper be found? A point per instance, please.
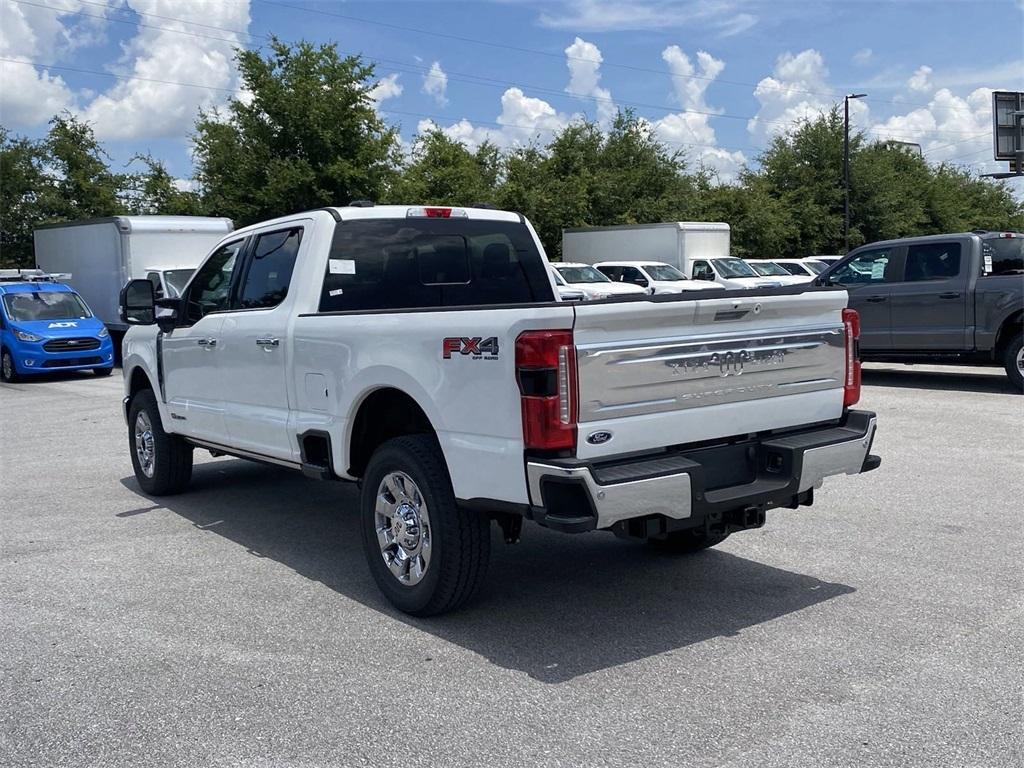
(682, 488)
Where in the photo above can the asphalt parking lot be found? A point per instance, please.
(237, 624)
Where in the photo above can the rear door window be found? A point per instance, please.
(424, 263)
(932, 261)
(270, 269)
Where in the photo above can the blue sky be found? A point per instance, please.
(714, 77)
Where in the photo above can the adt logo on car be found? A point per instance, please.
(66, 324)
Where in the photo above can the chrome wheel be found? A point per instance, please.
(145, 447)
(1020, 359)
(403, 528)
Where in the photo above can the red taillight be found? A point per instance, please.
(851, 386)
(546, 373)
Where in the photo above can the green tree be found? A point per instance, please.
(443, 170)
(306, 136)
(155, 191)
(22, 179)
(81, 184)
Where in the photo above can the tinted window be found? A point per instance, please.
(1003, 255)
(865, 267)
(418, 263)
(158, 289)
(612, 273)
(702, 271)
(633, 275)
(270, 270)
(932, 261)
(210, 291)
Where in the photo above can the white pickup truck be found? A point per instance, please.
(422, 352)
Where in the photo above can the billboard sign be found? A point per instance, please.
(1007, 125)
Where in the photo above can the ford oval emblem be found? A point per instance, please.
(596, 438)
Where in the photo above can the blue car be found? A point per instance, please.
(46, 327)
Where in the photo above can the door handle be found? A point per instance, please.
(949, 295)
(266, 343)
(876, 299)
(208, 343)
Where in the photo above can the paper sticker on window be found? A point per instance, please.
(878, 269)
(341, 266)
(988, 264)
(336, 292)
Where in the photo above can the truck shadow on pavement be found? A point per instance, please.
(908, 378)
(554, 606)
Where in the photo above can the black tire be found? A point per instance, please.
(1011, 361)
(460, 544)
(103, 371)
(687, 542)
(8, 372)
(171, 455)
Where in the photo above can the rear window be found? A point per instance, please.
(1003, 256)
(423, 263)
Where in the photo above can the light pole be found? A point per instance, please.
(846, 167)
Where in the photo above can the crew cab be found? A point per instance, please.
(421, 352)
(940, 298)
(46, 327)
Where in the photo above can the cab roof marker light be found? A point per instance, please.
(430, 212)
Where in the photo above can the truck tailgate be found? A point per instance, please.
(659, 373)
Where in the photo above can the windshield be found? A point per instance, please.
(1003, 255)
(176, 280)
(733, 267)
(582, 275)
(45, 305)
(664, 272)
(817, 267)
(767, 268)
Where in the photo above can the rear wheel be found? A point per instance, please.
(162, 462)
(683, 542)
(1013, 360)
(8, 372)
(426, 554)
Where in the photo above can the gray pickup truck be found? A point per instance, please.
(941, 298)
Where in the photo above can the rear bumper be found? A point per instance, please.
(687, 488)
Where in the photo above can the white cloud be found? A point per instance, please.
(797, 89)
(134, 109)
(863, 56)
(435, 84)
(721, 16)
(691, 129)
(584, 61)
(523, 119)
(31, 95)
(386, 88)
(921, 80)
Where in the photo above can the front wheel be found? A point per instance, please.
(162, 462)
(426, 554)
(1013, 361)
(8, 372)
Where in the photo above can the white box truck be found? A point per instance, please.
(103, 254)
(699, 249)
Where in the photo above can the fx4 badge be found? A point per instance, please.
(475, 347)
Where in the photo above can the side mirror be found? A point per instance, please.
(168, 312)
(137, 305)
